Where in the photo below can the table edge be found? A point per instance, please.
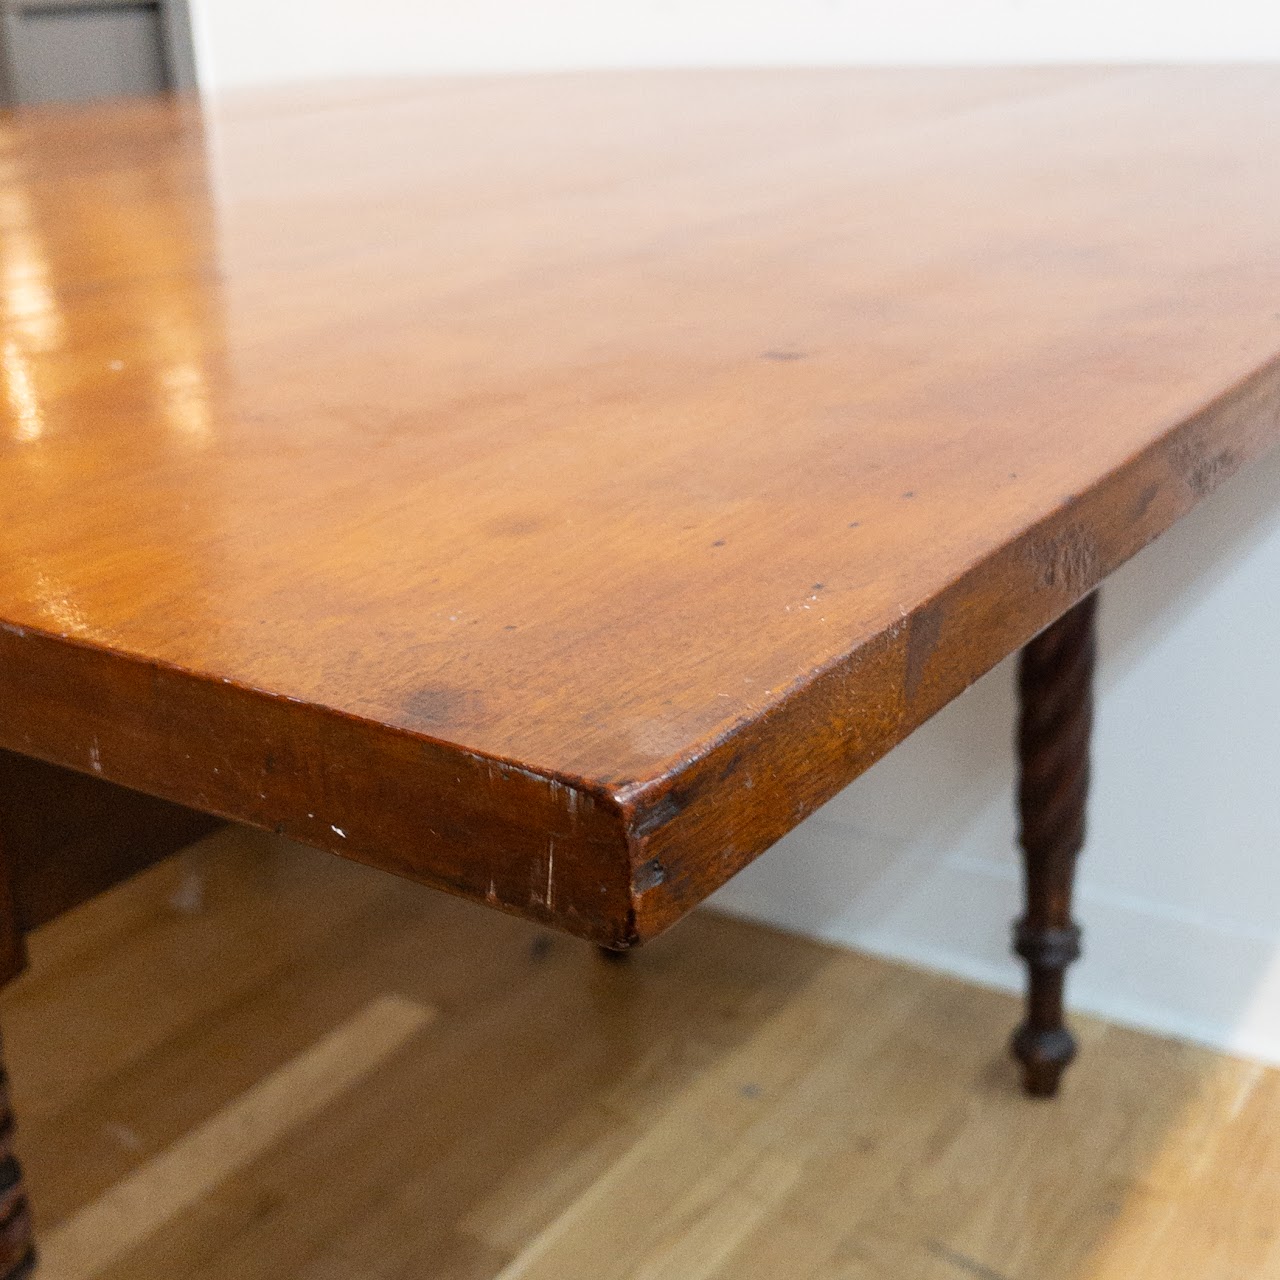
(616, 863)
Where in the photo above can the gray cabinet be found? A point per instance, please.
(76, 50)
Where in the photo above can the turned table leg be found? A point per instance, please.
(17, 1254)
(1055, 683)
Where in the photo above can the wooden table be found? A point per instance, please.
(554, 489)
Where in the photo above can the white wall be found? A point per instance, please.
(1180, 891)
(255, 41)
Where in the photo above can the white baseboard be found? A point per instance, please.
(1212, 982)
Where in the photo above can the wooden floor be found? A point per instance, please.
(257, 1061)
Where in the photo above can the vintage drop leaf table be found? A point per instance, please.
(552, 489)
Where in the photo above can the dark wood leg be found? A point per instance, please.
(17, 1256)
(1055, 683)
(17, 1253)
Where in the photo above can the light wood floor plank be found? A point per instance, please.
(180, 1177)
(729, 1104)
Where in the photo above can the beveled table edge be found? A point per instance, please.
(616, 863)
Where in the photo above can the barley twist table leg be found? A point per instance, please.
(1055, 682)
(17, 1254)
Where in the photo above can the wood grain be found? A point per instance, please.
(188, 1172)
(558, 500)
(734, 1104)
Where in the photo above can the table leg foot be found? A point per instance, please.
(1055, 682)
(612, 955)
(17, 1252)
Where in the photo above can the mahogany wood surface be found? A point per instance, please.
(554, 488)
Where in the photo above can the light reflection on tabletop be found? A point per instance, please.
(109, 311)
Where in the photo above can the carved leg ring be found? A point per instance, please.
(17, 1254)
(1055, 682)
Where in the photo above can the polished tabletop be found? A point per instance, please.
(553, 488)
